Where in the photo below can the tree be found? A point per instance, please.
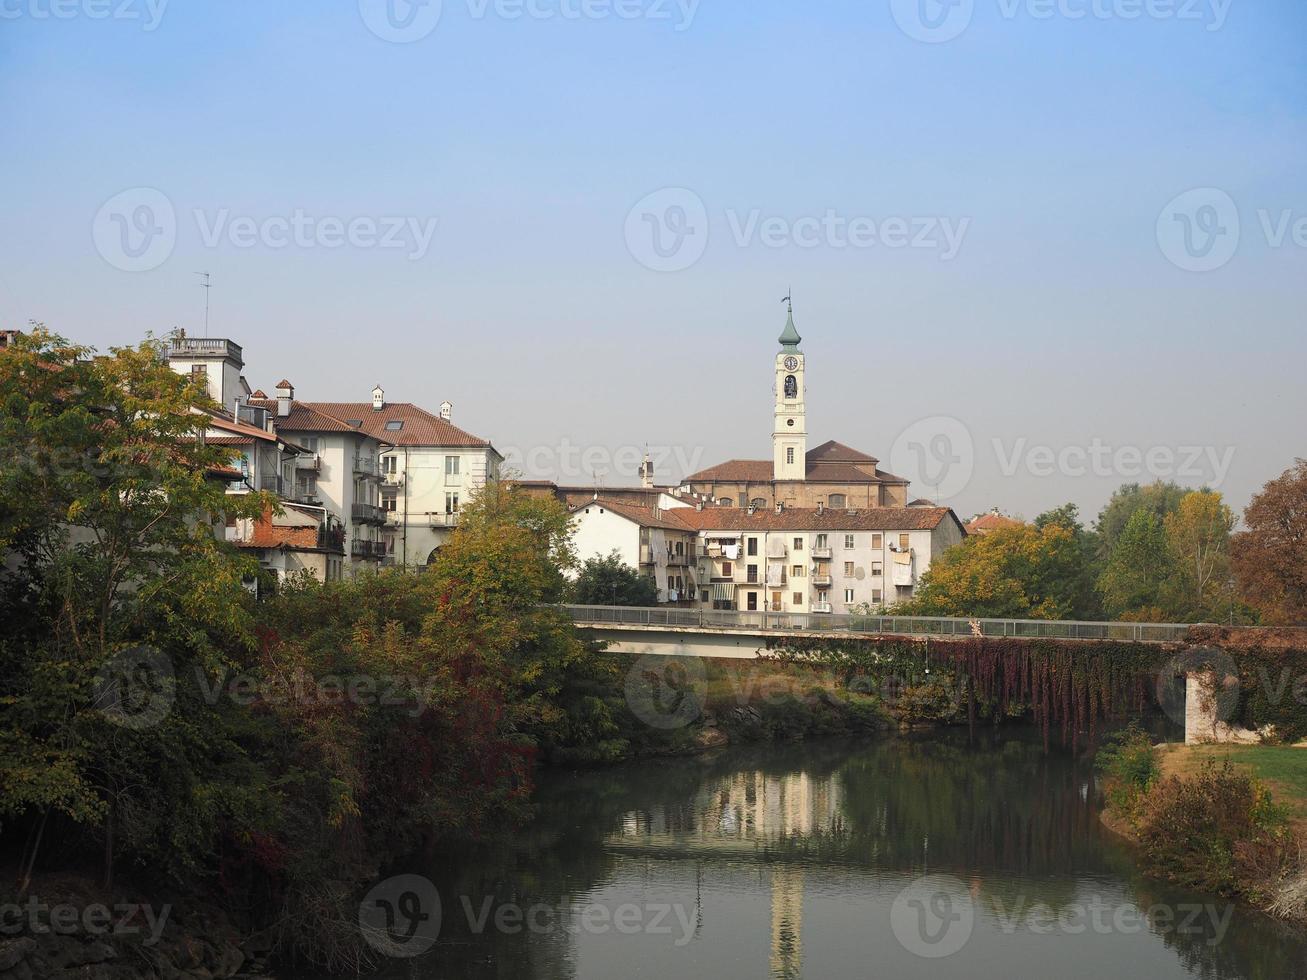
(1013, 572)
(609, 581)
(107, 519)
(1198, 534)
(1087, 603)
(1158, 498)
(1138, 570)
(1270, 557)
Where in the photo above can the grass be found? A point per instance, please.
(1283, 768)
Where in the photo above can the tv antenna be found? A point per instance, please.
(206, 283)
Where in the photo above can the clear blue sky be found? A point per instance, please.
(1058, 140)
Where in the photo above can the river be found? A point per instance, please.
(936, 856)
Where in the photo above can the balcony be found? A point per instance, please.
(366, 466)
(821, 607)
(776, 549)
(822, 554)
(821, 580)
(206, 345)
(680, 560)
(367, 550)
(367, 514)
(312, 462)
(393, 479)
(443, 520)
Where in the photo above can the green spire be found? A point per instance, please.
(790, 338)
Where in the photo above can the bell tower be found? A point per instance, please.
(790, 430)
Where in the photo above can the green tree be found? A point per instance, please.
(1158, 498)
(1139, 571)
(1087, 603)
(108, 515)
(609, 581)
(1016, 572)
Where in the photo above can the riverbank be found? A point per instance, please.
(1230, 819)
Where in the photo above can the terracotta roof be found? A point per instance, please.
(421, 428)
(810, 519)
(747, 470)
(837, 452)
(644, 516)
(303, 418)
(224, 473)
(228, 440)
(283, 383)
(258, 393)
(824, 468)
(991, 522)
(241, 429)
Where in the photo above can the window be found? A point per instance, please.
(726, 569)
(798, 571)
(680, 547)
(848, 541)
(753, 573)
(798, 544)
(837, 501)
(751, 601)
(821, 542)
(848, 597)
(798, 598)
(703, 595)
(451, 503)
(354, 423)
(848, 569)
(199, 371)
(876, 596)
(753, 546)
(726, 502)
(877, 569)
(789, 455)
(791, 386)
(903, 542)
(451, 469)
(758, 503)
(388, 501)
(310, 443)
(394, 425)
(823, 596)
(390, 465)
(876, 541)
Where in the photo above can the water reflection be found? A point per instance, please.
(787, 861)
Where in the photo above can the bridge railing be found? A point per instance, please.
(897, 625)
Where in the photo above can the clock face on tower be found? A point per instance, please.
(791, 363)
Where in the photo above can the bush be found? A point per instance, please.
(1129, 763)
(1217, 830)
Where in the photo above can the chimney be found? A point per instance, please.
(646, 471)
(780, 507)
(285, 395)
(378, 398)
(447, 411)
(821, 507)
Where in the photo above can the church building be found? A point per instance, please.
(831, 475)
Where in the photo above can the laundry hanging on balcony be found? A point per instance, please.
(731, 552)
(902, 567)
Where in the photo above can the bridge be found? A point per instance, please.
(742, 635)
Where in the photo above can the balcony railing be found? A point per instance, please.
(370, 550)
(311, 462)
(821, 607)
(443, 520)
(677, 560)
(367, 514)
(366, 466)
(774, 619)
(821, 554)
(821, 580)
(205, 345)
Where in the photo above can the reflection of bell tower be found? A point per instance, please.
(786, 954)
(790, 431)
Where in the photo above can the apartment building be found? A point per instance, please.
(815, 560)
(428, 468)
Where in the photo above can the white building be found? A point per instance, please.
(428, 468)
(646, 538)
(815, 560)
